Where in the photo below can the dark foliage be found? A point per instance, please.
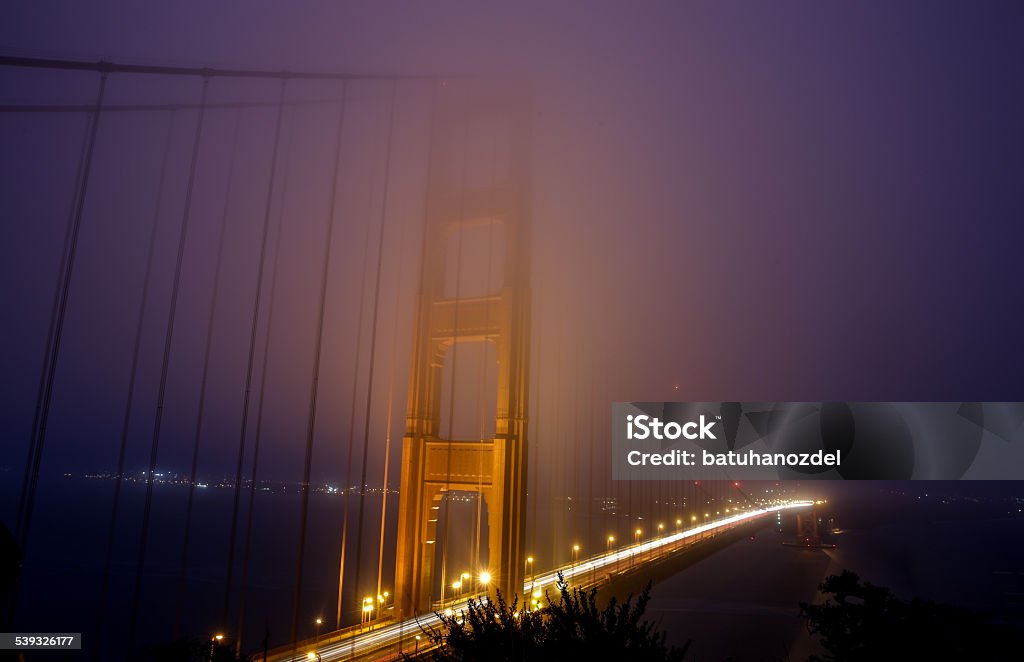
(573, 626)
(860, 621)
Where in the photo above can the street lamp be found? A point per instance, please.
(636, 541)
(485, 578)
(575, 556)
(527, 568)
(319, 621)
(367, 613)
(608, 549)
(214, 640)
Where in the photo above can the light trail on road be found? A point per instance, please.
(386, 636)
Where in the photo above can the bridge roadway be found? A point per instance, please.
(380, 642)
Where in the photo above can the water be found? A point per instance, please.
(742, 603)
(63, 570)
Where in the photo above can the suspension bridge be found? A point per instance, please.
(242, 259)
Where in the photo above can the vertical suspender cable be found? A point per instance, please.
(535, 493)
(454, 373)
(352, 412)
(575, 524)
(556, 478)
(590, 457)
(54, 309)
(482, 409)
(130, 397)
(373, 327)
(252, 344)
(387, 431)
(258, 437)
(162, 390)
(424, 242)
(48, 347)
(265, 362)
(203, 379)
(351, 415)
(317, 352)
(50, 371)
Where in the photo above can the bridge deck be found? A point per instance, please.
(384, 641)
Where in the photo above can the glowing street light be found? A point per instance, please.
(214, 640)
(535, 599)
(527, 568)
(367, 610)
(485, 578)
(575, 556)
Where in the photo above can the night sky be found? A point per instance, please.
(755, 201)
(771, 202)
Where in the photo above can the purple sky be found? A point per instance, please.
(785, 201)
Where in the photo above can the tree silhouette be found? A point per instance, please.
(864, 622)
(571, 626)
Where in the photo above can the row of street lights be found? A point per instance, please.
(483, 579)
(369, 606)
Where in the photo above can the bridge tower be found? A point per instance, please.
(479, 168)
